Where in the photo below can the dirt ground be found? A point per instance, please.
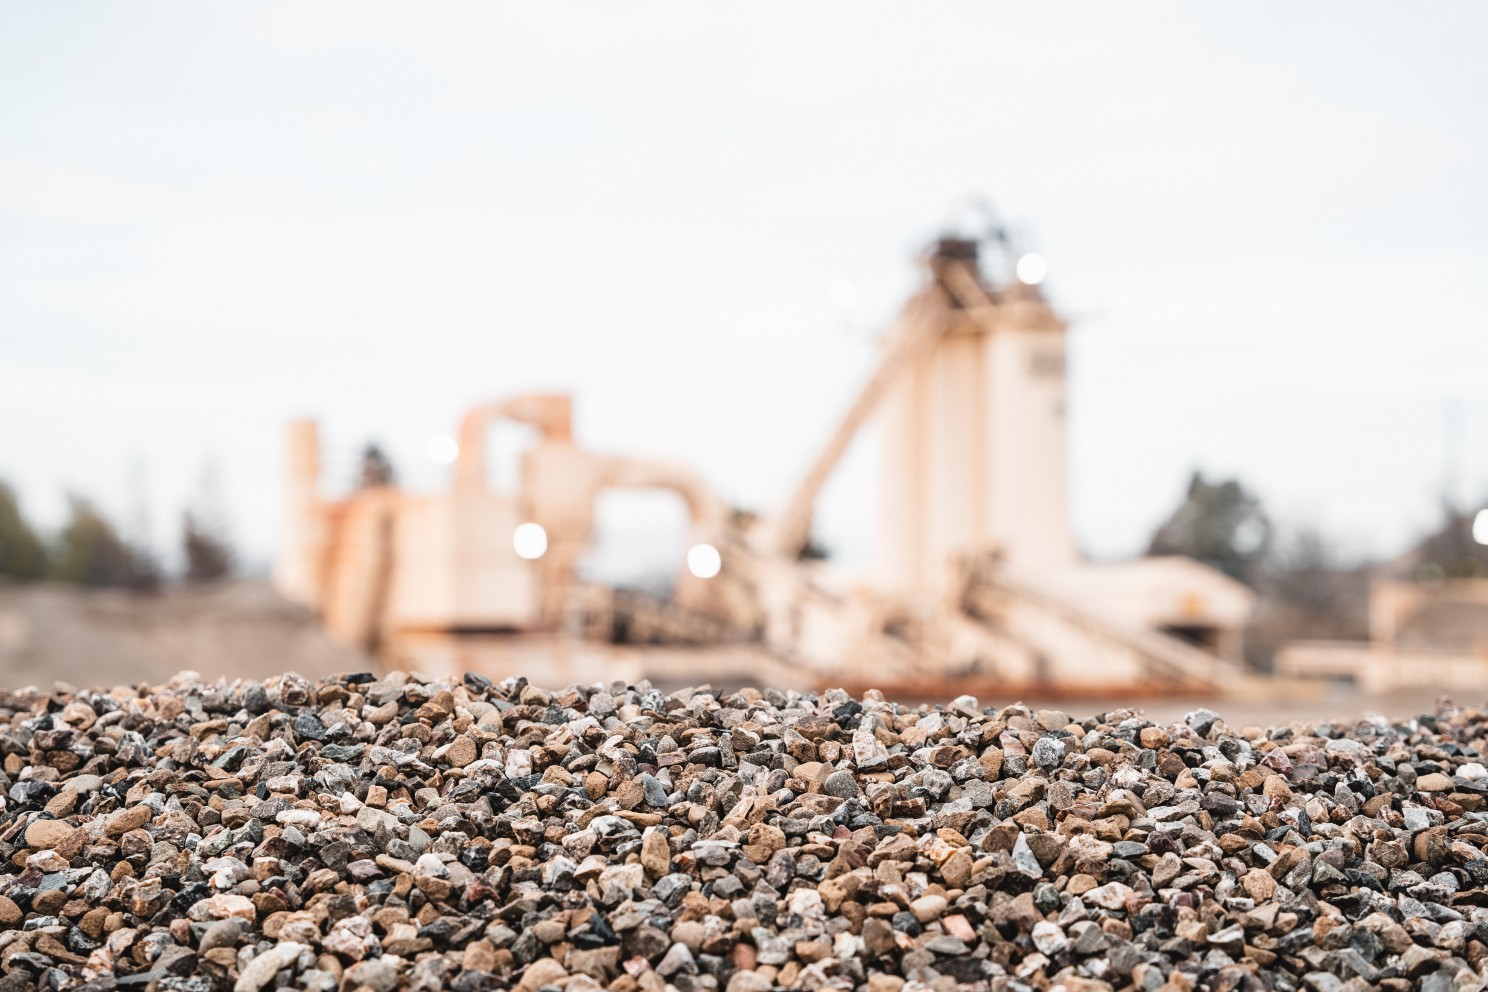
(89, 638)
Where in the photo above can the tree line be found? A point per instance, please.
(1306, 586)
(89, 550)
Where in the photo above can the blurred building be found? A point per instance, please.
(979, 583)
(1428, 621)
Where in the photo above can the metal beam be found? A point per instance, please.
(787, 531)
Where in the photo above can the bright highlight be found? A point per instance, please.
(704, 561)
(530, 541)
(1032, 268)
(442, 449)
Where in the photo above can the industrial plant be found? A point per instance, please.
(978, 585)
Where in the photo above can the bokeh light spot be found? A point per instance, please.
(530, 541)
(704, 561)
(442, 449)
(1032, 268)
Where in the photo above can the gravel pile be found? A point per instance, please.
(397, 833)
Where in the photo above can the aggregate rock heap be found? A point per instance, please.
(397, 833)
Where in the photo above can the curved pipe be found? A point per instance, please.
(708, 512)
(550, 413)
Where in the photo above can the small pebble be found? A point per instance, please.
(380, 833)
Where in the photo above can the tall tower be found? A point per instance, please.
(300, 569)
(973, 432)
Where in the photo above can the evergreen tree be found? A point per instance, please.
(22, 555)
(1218, 523)
(208, 553)
(375, 469)
(204, 534)
(90, 552)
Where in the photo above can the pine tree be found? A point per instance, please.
(90, 552)
(1220, 524)
(204, 534)
(375, 468)
(208, 554)
(22, 554)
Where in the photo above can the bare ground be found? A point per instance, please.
(244, 629)
(88, 638)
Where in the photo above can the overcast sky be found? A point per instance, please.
(1268, 223)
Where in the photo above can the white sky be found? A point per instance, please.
(1269, 223)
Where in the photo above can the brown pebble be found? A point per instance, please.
(57, 835)
(1434, 782)
(656, 854)
(126, 820)
(462, 751)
